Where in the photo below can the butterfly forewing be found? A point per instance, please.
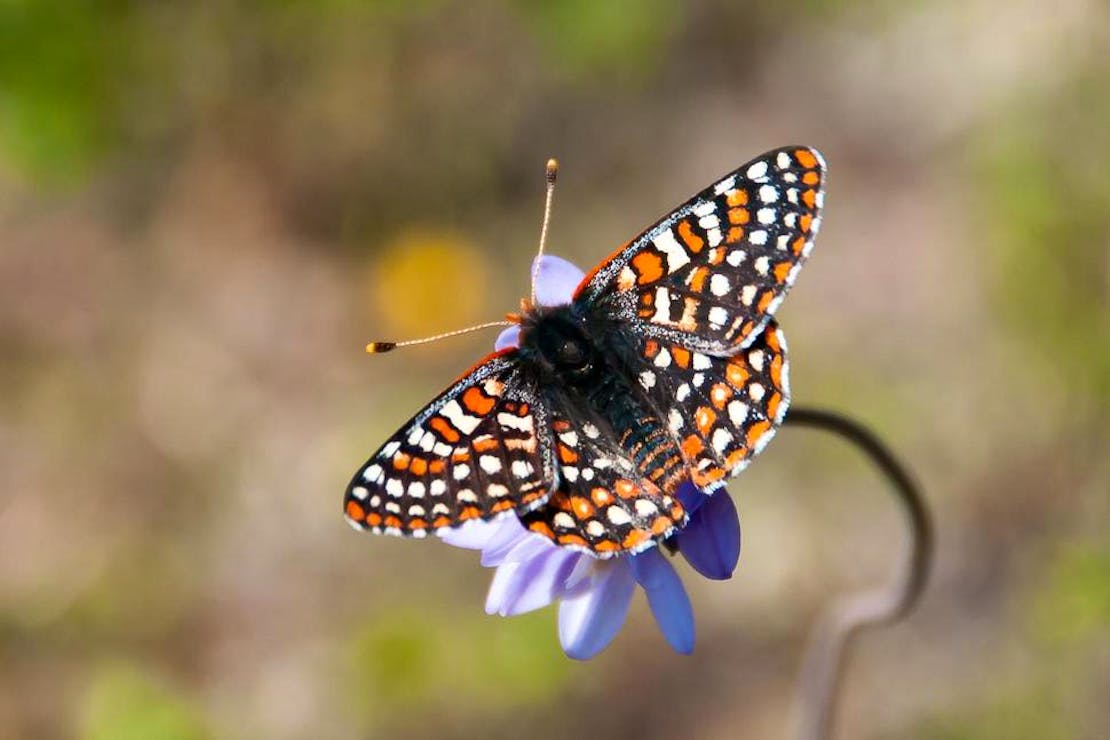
(710, 274)
(605, 503)
(478, 450)
(722, 411)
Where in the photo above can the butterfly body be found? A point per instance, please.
(666, 366)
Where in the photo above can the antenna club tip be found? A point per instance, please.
(552, 170)
(376, 348)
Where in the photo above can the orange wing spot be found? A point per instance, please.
(417, 524)
(662, 524)
(806, 158)
(772, 338)
(392, 521)
(355, 511)
(736, 457)
(776, 371)
(444, 429)
(691, 446)
(811, 178)
(648, 267)
(738, 216)
(560, 425)
(606, 546)
(419, 466)
(782, 269)
(736, 374)
(572, 539)
(469, 512)
(689, 238)
(401, 461)
(681, 356)
(582, 507)
(477, 402)
(805, 222)
(567, 455)
(720, 394)
(502, 505)
(437, 466)
(798, 245)
(374, 519)
(459, 457)
(523, 410)
(651, 348)
(542, 528)
(765, 300)
(486, 444)
(773, 405)
(711, 475)
(704, 418)
(697, 279)
(810, 198)
(717, 255)
(737, 198)
(634, 538)
(441, 521)
(735, 234)
(625, 488)
(601, 496)
(756, 431)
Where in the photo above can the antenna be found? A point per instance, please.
(377, 348)
(550, 174)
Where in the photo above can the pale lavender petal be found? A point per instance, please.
(538, 581)
(502, 543)
(507, 338)
(476, 534)
(589, 622)
(556, 280)
(710, 542)
(668, 599)
(503, 587)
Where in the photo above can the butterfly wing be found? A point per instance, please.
(481, 448)
(604, 504)
(722, 411)
(711, 274)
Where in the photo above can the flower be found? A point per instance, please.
(594, 595)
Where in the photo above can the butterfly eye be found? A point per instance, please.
(571, 354)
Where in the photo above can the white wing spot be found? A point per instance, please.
(718, 285)
(768, 194)
(756, 392)
(757, 170)
(490, 464)
(758, 237)
(461, 471)
(394, 487)
(617, 516)
(717, 317)
(765, 215)
(417, 489)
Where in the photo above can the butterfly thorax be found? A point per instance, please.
(576, 365)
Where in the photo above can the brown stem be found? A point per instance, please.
(823, 662)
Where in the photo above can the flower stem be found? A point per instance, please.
(823, 662)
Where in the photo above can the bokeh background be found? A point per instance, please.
(207, 208)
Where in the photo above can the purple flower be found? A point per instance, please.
(594, 594)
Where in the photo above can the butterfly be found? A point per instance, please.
(666, 366)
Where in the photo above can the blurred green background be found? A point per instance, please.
(207, 208)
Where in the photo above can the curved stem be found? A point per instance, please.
(823, 662)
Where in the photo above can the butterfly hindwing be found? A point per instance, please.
(722, 411)
(605, 505)
(480, 449)
(710, 274)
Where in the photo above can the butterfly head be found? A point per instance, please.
(557, 339)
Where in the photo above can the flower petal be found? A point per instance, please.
(668, 599)
(556, 280)
(507, 338)
(589, 621)
(476, 534)
(710, 541)
(691, 496)
(539, 581)
(504, 542)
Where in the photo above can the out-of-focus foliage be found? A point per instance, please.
(206, 210)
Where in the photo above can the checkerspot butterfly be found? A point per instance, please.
(666, 366)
